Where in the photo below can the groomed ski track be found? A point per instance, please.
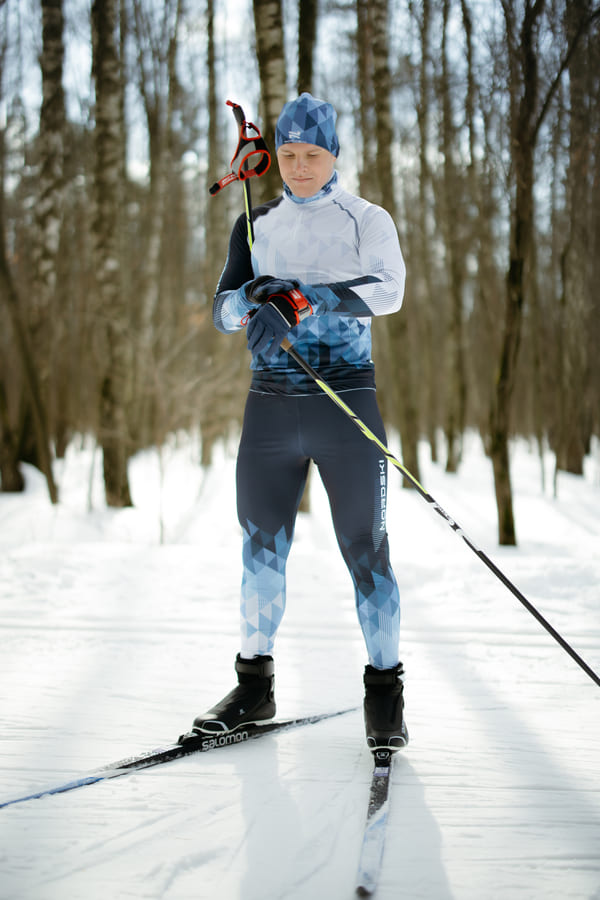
(111, 642)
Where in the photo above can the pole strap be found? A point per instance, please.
(251, 157)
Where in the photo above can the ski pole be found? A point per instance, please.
(287, 346)
(251, 147)
(239, 117)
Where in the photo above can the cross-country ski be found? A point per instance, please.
(187, 744)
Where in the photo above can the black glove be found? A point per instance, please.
(270, 324)
(262, 288)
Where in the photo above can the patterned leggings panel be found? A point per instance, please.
(281, 435)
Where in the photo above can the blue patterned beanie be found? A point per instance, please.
(307, 121)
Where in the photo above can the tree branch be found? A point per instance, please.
(583, 28)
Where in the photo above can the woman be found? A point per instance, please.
(322, 264)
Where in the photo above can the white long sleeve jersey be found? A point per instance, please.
(345, 253)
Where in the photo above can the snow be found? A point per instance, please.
(118, 627)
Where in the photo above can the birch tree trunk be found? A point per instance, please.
(216, 230)
(523, 63)
(482, 191)
(113, 316)
(270, 53)
(11, 477)
(452, 228)
(367, 176)
(46, 316)
(594, 201)
(393, 331)
(527, 112)
(8, 293)
(157, 44)
(307, 37)
(427, 298)
(9, 440)
(221, 359)
(48, 213)
(576, 301)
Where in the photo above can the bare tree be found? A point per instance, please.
(422, 265)
(527, 112)
(45, 315)
(594, 204)
(216, 226)
(155, 30)
(452, 218)
(8, 462)
(48, 214)
(307, 37)
(576, 301)
(10, 438)
(367, 175)
(220, 360)
(485, 185)
(113, 320)
(270, 52)
(9, 294)
(392, 333)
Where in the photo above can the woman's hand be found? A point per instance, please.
(270, 324)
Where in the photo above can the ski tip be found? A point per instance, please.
(362, 891)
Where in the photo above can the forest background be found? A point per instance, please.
(476, 123)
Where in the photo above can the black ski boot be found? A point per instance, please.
(252, 700)
(383, 708)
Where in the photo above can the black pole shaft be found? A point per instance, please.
(442, 512)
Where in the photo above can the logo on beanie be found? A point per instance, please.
(294, 135)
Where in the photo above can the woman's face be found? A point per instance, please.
(305, 168)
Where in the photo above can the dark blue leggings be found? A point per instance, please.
(281, 434)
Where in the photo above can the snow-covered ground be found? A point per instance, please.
(112, 641)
